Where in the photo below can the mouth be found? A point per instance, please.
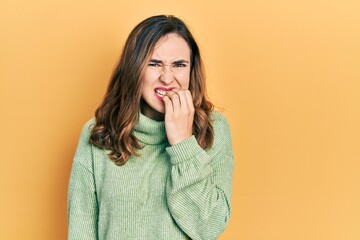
(160, 92)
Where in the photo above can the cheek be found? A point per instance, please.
(150, 77)
(184, 80)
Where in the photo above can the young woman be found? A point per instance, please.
(156, 161)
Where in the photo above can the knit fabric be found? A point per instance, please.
(169, 192)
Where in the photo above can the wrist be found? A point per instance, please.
(179, 139)
(184, 150)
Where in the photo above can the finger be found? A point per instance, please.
(189, 101)
(168, 105)
(173, 96)
(175, 102)
(170, 94)
(183, 102)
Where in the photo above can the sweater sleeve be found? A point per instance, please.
(82, 201)
(199, 189)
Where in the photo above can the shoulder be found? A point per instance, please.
(219, 121)
(83, 152)
(84, 140)
(89, 124)
(87, 127)
(221, 128)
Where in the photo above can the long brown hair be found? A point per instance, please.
(118, 113)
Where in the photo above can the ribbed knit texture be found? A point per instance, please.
(170, 192)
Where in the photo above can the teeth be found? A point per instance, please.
(160, 92)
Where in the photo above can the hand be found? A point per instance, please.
(179, 115)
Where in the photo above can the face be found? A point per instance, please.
(168, 68)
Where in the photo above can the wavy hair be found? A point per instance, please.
(117, 115)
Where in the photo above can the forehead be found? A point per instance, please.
(171, 47)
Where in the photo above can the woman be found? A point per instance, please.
(156, 161)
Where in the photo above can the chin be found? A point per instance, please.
(153, 110)
(159, 110)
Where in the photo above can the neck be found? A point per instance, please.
(151, 113)
(150, 131)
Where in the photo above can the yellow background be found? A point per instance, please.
(285, 72)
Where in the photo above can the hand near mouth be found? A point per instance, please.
(179, 115)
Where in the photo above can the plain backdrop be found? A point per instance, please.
(285, 73)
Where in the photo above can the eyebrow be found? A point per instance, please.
(175, 62)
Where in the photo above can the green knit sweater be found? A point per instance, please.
(170, 192)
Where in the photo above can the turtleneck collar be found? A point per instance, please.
(149, 131)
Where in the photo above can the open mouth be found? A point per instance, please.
(160, 93)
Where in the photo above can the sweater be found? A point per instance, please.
(169, 192)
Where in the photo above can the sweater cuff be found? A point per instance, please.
(184, 150)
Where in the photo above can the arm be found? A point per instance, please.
(199, 189)
(82, 201)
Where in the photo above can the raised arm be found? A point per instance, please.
(199, 188)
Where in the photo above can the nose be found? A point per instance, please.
(167, 75)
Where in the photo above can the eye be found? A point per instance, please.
(153, 64)
(180, 65)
